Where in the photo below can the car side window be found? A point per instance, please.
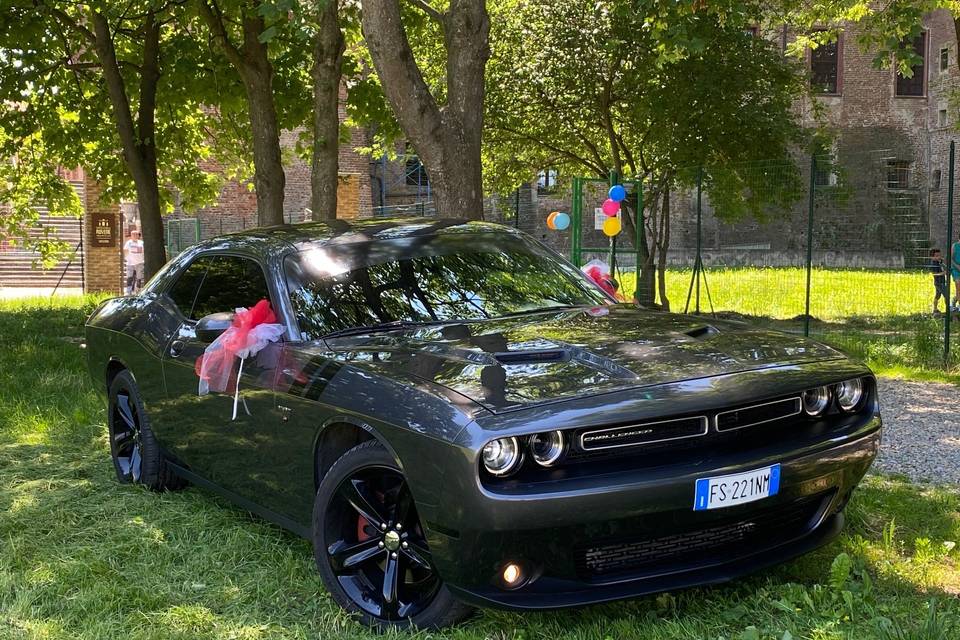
(184, 290)
(230, 282)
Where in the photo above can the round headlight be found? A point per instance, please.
(501, 456)
(849, 394)
(816, 401)
(546, 448)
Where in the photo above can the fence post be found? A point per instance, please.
(638, 238)
(698, 266)
(612, 179)
(576, 212)
(950, 256)
(516, 209)
(810, 206)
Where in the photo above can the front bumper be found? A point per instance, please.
(627, 535)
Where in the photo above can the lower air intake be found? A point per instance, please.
(721, 542)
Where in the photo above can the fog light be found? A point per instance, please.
(849, 394)
(512, 575)
(815, 401)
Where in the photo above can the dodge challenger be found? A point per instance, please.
(457, 417)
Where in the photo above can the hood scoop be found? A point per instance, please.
(699, 333)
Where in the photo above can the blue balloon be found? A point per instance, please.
(617, 193)
(562, 221)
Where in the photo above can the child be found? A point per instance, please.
(955, 272)
(939, 271)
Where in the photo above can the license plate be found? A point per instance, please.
(736, 488)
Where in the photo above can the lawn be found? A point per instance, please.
(85, 557)
(883, 317)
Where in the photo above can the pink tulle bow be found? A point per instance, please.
(249, 332)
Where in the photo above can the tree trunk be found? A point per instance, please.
(137, 140)
(447, 139)
(328, 49)
(633, 216)
(257, 74)
(663, 244)
(253, 64)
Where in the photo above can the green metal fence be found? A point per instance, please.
(180, 234)
(835, 246)
(587, 240)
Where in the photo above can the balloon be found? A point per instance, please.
(562, 221)
(611, 226)
(552, 219)
(610, 207)
(617, 193)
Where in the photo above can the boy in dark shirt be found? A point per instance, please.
(939, 271)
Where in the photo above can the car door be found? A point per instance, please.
(199, 430)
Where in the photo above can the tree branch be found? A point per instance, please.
(212, 15)
(64, 18)
(599, 168)
(424, 6)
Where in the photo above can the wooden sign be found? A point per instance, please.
(103, 230)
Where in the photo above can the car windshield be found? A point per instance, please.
(431, 278)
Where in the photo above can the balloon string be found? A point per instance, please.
(236, 393)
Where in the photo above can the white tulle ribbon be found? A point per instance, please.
(215, 366)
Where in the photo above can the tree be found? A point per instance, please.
(82, 84)
(592, 87)
(240, 31)
(328, 49)
(444, 125)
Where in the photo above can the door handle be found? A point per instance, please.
(176, 348)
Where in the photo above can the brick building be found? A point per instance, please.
(892, 136)
(884, 202)
(236, 208)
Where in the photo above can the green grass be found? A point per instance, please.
(882, 317)
(82, 556)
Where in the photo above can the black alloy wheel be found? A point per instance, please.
(137, 457)
(371, 549)
(125, 439)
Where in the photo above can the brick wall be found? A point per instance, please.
(236, 207)
(103, 266)
(866, 117)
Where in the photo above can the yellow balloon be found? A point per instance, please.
(611, 226)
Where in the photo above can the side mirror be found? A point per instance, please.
(210, 327)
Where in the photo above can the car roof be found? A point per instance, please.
(312, 234)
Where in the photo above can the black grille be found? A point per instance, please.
(758, 414)
(720, 542)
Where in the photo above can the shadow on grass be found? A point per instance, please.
(85, 557)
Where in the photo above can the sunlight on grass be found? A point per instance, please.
(84, 557)
(780, 292)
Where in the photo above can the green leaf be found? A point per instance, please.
(840, 571)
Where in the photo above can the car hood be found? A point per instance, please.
(515, 362)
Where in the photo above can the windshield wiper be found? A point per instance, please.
(381, 327)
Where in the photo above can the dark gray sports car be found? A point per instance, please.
(456, 416)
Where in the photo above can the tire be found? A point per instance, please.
(137, 457)
(354, 555)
